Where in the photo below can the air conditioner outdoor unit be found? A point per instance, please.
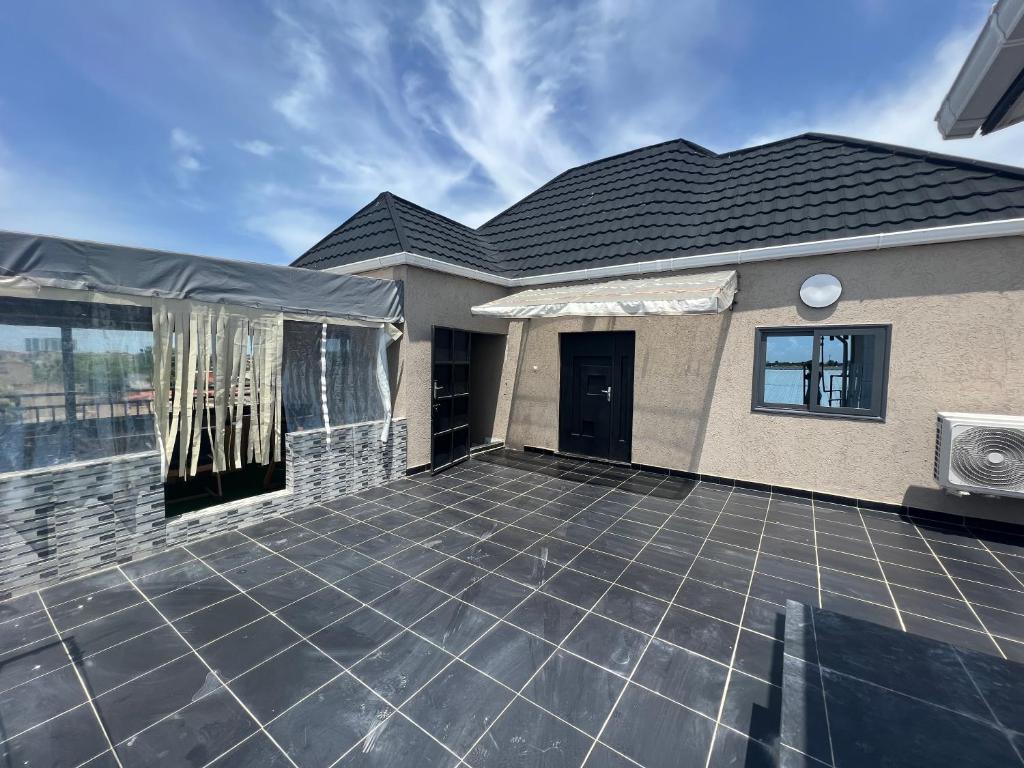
(981, 454)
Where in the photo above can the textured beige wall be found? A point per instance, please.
(673, 382)
(431, 298)
(485, 385)
(957, 312)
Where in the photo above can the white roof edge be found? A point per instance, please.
(947, 234)
(990, 68)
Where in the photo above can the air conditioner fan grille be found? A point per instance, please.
(989, 456)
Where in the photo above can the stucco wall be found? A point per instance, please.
(431, 298)
(675, 364)
(957, 312)
(488, 359)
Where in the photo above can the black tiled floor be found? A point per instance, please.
(517, 610)
(857, 693)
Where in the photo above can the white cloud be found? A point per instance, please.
(183, 141)
(904, 113)
(256, 147)
(309, 64)
(468, 106)
(186, 150)
(293, 230)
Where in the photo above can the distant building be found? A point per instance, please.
(49, 344)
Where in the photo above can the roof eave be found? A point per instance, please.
(869, 242)
(994, 63)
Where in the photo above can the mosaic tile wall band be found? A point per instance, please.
(65, 521)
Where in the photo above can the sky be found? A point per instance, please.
(249, 129)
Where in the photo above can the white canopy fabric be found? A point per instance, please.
(672, 295)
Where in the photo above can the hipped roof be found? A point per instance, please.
(678, 199)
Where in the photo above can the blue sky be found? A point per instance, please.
(250, 129)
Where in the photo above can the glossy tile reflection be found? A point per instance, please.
(528, 610)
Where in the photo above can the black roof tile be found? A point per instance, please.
(678, 199)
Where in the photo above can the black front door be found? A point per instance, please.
(596, 400)
(449, 400)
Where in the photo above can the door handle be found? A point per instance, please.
(437, 388)
(608, 392)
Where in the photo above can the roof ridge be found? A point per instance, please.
(338, 228)
(399, 229)
(917, 153)
(689, 144)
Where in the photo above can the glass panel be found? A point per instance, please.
(75, 382)
(460, 379)
(847, 372)
(460, 444)
(460, 346)
(442, 345)
(300, 374)
(787, 368)
(460, 411)
(353, 393)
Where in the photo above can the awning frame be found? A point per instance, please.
(690, 294)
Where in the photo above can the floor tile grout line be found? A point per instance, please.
(214, 572)
(531, 593)
(182, 546)
(824, 698)
(875, 559)
(167, 663)
(541, 536)
(227, 751)
(328, 584)
(561, 643)
(344, 548)
(736, 644)
(457, 657)
(982, 546)
(343, 669)
(962, 595)
(995, 556)
(216, 676)
(888, 587)
(499, 619)
(356, 521)
(903, 694)
(85, 688)
(239, 592)
(517, 553)
(118, 566)
(995, 718)
(817, 559)
(650, 641)
(207, 644)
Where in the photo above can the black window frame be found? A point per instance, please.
(880, 383)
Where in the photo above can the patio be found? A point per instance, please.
(518, 610)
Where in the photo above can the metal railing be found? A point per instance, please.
(46, 407)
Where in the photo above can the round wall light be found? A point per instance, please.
(820, 291)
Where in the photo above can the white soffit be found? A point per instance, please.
(948, 234)
(671, 295)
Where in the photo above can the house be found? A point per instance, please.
(647, 308)
(988, 93)
(723, 350)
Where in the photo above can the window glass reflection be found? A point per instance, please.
(787, 372)
(846, 372)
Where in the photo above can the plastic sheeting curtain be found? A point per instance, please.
(75, 382)
(336, 375)
(216, 369)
